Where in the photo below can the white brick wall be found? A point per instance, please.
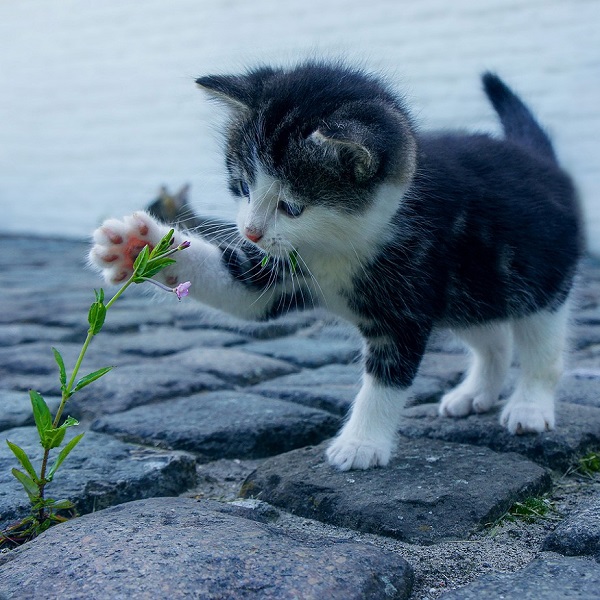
(98, 106)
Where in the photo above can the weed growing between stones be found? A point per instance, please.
(530, 510)
(46, 511)
(589, 464)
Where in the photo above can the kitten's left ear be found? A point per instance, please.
(237, 91)
(348, 139)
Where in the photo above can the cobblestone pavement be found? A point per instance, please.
(202, 472)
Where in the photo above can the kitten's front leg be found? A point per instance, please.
(368, 437)
(230, 280)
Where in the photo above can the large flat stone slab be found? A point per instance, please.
(578, 430)
(223, 425)
(180, 548)
(579, 533)
(554, 578)
(431, 491)
(101, 471)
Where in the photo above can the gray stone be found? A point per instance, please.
(233, 366)
(330, 388)
(180, 548)
(136, 385)
(38, 359)
(334, 387)
(306, 352)
(432, 491)
(578, 430)
(161, 341)
(555, 578)
(581, 387)
(579, 533)
(25, 333)
(16, 408)
(447, 367)
(100, 472)
(223, 425)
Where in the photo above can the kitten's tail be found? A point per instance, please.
(517, 120)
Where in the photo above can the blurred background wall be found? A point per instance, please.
(98, 106)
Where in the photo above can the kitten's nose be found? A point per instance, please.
(252, 234)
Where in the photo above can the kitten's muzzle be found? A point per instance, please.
(253, 235)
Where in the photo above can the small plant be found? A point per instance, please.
(51, 430)
(589, 464)
(530, 510)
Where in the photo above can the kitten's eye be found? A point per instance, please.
(291, 210)
(244, 189)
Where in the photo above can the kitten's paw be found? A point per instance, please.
(521, 416)
(461, 402)
(347, 453)
(117, 244)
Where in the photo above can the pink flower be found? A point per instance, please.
(183, 289)
(184, 245)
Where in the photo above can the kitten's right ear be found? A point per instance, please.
(237, 91)
(231, 89)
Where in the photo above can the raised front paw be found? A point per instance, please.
(347, 453)
(117, 244)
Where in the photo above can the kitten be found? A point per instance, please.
(343, 204)
(175, 209)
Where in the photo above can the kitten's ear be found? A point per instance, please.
(348, 141)
(182, 194)
(237, 91)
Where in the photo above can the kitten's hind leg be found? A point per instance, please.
(540, 339)
(491, 346)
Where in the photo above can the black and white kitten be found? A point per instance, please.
(396, 231)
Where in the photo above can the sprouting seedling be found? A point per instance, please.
(51, 432)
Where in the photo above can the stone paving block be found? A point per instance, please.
(38, 359)
(580, 387)
(579, 533)
(578, 430)
(232, 366)
(334, 387)
(430, 492)
(144, 383)
(223, 425)
(153, 342)
(447, 367)
(16, 411)
(554, 578)
(180, 548)
(306, 352)
(331, 388)
(101, 471)
(25, 333)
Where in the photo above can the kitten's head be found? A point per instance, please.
(316, 154)
(173, 209)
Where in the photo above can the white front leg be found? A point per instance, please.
(118, 242)
(368, 437)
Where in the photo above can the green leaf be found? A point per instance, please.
(63, 454)
(293, 260)
(41, 415)
(163, 246)
(96, 317)
(99, 296)
(91, 378)
(23, 459)
(56, 435)
(62, 504)
(264, 261)
(61, 366)
(30, 486)
(142, 260)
